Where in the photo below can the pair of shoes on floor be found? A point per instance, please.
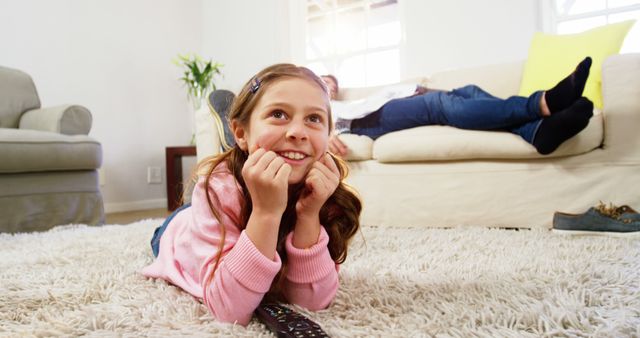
(608, 220)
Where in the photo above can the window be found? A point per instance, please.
(356, 40)
(573, 16)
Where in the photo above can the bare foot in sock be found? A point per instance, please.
(563, 125)
(567, 91)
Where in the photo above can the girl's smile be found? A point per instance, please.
(293, 157)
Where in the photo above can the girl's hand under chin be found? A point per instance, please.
(320, 183)
(266, 175)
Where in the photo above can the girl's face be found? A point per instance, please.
(292, 120)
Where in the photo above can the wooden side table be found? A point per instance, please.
(174, 173)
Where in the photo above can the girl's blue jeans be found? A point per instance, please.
(157, 234)
(468, 107)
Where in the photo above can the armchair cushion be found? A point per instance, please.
(24, 151)
(17, 95)
(65, 119)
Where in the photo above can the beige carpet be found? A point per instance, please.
(83, 281)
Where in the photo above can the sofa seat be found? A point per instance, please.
(38, 151)
(444, 143)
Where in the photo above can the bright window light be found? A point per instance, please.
(574, 16)
(358, 41)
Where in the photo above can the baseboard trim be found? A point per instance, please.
(135, 205)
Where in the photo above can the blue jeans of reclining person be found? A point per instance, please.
(468, 107)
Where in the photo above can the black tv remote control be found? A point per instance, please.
(286, 323)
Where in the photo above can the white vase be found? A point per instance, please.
(192, 120)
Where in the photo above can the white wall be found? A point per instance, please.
(113, 57)
(246, 36)
(442, 35)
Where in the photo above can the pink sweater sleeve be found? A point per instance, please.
(244, 275)
(190, 246)
(312, 276)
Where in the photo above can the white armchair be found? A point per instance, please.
(48, 163)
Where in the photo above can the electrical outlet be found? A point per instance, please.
(154, 175)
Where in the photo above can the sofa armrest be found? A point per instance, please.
(64, 119)
(621, 105)
(207, 135)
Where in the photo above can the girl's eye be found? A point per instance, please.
(315, 118)
(278, 114)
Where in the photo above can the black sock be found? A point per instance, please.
(569, 89)
(563, 125)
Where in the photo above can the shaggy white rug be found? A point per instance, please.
(397, 282)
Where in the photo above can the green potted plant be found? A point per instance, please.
(198, 76)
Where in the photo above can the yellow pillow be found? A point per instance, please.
(553, 57)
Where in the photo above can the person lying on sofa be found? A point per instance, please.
(545, 119)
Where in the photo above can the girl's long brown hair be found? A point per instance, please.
(340, 215)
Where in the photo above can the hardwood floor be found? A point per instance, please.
(136, 215)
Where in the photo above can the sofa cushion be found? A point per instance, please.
(501, 80)
(552, 57)
(444, 143)
(33, 151)
(17, 95)
(359, 147)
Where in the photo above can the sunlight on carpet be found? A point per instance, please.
(396, 282)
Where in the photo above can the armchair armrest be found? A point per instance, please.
(64, 119)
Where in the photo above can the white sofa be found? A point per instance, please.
(439, 176)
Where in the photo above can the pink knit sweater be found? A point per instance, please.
(189, 246)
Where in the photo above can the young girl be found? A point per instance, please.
(272, 215)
